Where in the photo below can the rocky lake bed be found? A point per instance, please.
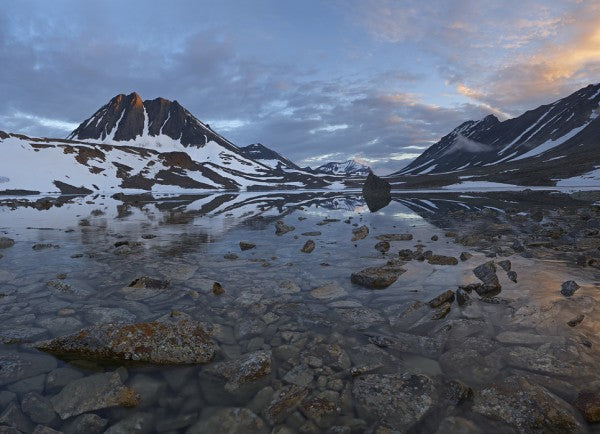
(289, 312)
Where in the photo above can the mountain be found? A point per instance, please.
(129, 144)
(268, 157)
(348, 168)
(563, 130)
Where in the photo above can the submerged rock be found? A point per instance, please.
(283, 403)
(6, 242)
(588, 403)
(146, 282)
(465, 256)
(308, 247)
(329, 291)
(360, 233)
(401, 400)
(462, 296)
(243, 370)
(505, 265)
(577, 320)
(525, 406)
(376, 277)
(91, 393)
(233, 420)
(568, 288)
(395, 237)
(246, 246)
(382, 246)
(444, 297)
(376, 192)
(174, 342)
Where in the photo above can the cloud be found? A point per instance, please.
(464, 144)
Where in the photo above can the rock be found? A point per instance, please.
(434, 238)
(138, 422)
(88, 423)
(360, 233)
(442, 260)
(217, 288)
(525, 406)
(456, 392)
(533, 360)
(395, 237)
(38, 408)
(308, 247)
(505, 265)
(568, 288)
(92, 393)
(98, 315)
(401, 400)
(18, 334)
(588, 403)
(320, 410)
(40, 429)
(442, 311)
(522, 338)
(230, 256)
(311, 234)
(537, 216)
(376, 192)
(512, 276)
(462, 297)
(333, 356)
(407, 255)
(146, 282)
(13, 417)
(159, 342)
(243, 370)
(300, 375)
(43, 246)
(458, 425)
(281, 228)
(5, 242)
(283, 403)
(444, 297)
(465, 256)
(231, 420)
(329, 291)
(246, 246)
(59, 285)
(60, 377)
(575, 321)
(17, 366)
(376, 277)
(382, 246)
(487, 274)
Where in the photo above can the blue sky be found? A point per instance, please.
(374, 80)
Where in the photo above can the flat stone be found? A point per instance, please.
(395, 237)
(360, 233)
(281, 228)
(146, 282)
(442, 260)
(376, 277)
(138, 422)
(525, 406)
(231, 420)
(60, 377)
(457, 424)
(311, 234)
(401, 400)
(329, 291)
(246, 246)
(536, 361)
(92, 393)
(245, 369)
(283, 403)
(173, 342)
(382, 246)
(13, 417)
(300, 375)
(444, 297)
(17, 366)
(88, 423)
(465, 256)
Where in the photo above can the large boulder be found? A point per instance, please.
(158, 342)
(376, 192)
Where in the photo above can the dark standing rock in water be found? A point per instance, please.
(568, 288)
(376, 192)
(462, 297)
(377, 277)
(217, 288)
(146, 282)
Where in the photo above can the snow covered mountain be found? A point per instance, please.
(348, 168)
(268, 157)
(134, 145)
(548, 133)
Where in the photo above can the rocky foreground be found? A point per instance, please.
(485, 322)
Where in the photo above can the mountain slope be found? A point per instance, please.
(559, 127)
(350, 167)
(268, 157)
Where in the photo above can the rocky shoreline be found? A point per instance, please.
(482, 322)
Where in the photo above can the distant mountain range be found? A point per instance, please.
(557, 143)
(153, 145)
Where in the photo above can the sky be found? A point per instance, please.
(377, 81)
